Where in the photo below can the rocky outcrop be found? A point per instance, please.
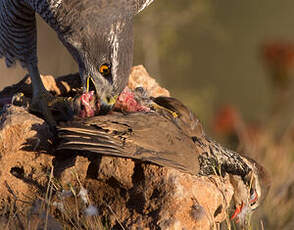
(78, 189)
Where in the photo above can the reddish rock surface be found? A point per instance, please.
(140, 78)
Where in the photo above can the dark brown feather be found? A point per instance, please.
(143, 136)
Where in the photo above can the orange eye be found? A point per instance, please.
(104, 69)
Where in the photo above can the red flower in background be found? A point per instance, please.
(225, 120)
(279, 57)
(279, 53)
(229, 123)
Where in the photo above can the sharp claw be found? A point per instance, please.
(20, 100)
(62, 109)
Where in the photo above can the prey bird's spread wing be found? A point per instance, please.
(143, 136)
(172, 136)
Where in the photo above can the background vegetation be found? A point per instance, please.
(232, 62)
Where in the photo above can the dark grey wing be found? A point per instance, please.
(17, 32)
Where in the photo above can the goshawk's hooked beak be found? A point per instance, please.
(106, 102)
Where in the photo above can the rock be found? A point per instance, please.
(24, 171)
(140, 78)
(122, 192)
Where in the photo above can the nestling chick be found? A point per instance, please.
(250, 191)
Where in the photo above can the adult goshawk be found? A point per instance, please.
(97, 33)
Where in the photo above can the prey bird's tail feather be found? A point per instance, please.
(87, 138)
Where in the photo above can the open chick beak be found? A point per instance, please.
(237, 211)
(253, 199)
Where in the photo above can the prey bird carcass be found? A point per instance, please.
(169, 135)
(161, 131)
